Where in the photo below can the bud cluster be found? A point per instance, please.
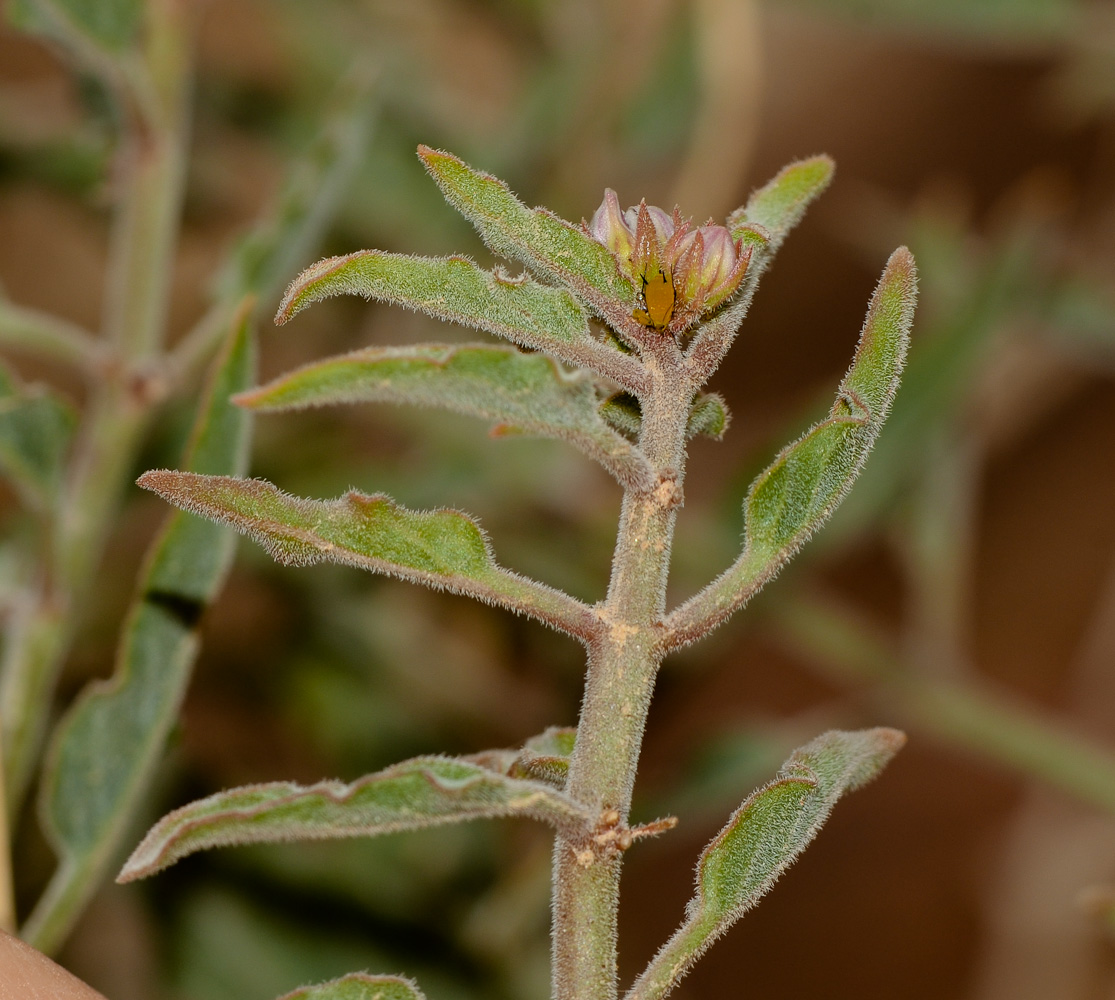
(680, 271)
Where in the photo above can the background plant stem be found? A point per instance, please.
(151, 166)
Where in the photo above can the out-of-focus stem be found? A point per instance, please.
(7, 894)
(623, 664)
(958, 709)
(150, 178)
(47, 336)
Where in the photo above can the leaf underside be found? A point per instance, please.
(423, 792)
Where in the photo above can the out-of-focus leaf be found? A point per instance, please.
(111, 24)
(264, 258)
(522, 394)
(36, 426)
(440, 548)
(762, 839)
(105, 748)
(360, 986)
(801, 488)
(417, 793)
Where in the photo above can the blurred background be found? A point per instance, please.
(965, 591)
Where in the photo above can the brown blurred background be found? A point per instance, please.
(966, 591)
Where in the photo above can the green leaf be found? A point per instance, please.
(106, 747)
(36, 426)
(779, 204)
(762, 839)
(360, 986)
(454, 289)
(799, 491)
(551, 247)
(440, 548)
(544, 757)
(708, 415)
(521, 393)
(111, 24)
(762, 224)
(422, 792)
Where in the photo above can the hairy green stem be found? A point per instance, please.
(622, 665)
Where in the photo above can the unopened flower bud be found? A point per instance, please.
(608, 226)
(708, 265)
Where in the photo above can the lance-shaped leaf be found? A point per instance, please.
(762, 839)
(440, 548)
(762, 224)
(521, 393)
(360, 986)
(778, 206)
(425, 791)
(36, 426)
(455, 289)
(550, 246)
(808, 479)
(105, 748)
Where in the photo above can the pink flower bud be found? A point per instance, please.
(608, 226)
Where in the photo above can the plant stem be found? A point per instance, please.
(150, 180)
(622, 665)
(7, 896)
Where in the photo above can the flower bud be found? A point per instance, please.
(709, 267)
(608, 226)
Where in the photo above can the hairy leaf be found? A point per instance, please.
(762, 224)
(105, 748)
(454, 289)
(360, 986)
(762, 839)
(36, 426)
(708, 415)
(780, 203)
(549, 245)
(521, 393)
(440, 548)
(801, 488)
(423, 792)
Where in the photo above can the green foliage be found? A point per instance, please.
(104, 750)
(708, 415)
(359, 986)
(440, 548)
(36, 426)
(779, 204)
(548, 245)
(762, 839)
(798, 492)
(111, 24)
(521, 394)
(417, 793)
